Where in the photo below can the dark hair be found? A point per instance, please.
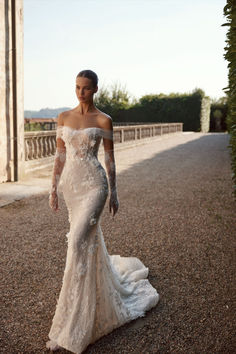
(89, 74)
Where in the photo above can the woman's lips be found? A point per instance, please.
(81, 98)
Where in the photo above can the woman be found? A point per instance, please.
(100, 292)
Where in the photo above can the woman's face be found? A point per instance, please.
(84, 89)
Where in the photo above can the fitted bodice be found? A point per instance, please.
(83, 171)
(82, 143)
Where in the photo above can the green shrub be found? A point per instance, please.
(33, 127)
(219, 111)
(154, 108)
(185, 108)
(230, 56)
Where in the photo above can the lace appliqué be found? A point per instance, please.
(111, 171)
(59, 162)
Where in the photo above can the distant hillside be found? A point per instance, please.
(45, 112)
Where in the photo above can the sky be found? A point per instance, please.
(145, 46)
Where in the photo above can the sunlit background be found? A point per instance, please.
(148, 46)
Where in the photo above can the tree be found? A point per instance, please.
(112, 99)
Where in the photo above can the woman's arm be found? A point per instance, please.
(59, 162)
(110, 165)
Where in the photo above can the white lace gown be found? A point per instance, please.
(100, 292)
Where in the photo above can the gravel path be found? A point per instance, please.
(177, 214)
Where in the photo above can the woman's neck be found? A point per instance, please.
(85, 108)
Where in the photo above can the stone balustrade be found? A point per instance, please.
(40, 146)
(136, 132)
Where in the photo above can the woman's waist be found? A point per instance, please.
(84, 168)
(83, 177)
(82, 161)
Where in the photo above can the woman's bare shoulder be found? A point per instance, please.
(105, 115)
(105, 121)
(63, 116)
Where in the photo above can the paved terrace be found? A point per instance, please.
(177, 214)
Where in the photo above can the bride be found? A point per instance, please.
(100, 292)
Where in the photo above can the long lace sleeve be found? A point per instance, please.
(111, 168)
(59, 162)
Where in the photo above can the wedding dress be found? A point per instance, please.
(100, 292)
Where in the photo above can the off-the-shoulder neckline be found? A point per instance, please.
(67, 126)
